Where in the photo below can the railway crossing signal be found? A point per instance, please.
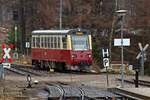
(5, 57)
(142, 57)
(6, 53)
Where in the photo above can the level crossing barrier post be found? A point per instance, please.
(1, 72)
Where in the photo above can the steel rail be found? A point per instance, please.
(16, 71)
(82, 93)
(24, 69)
(129, 94)
(60, 88)
(141, 82)
(29, 72)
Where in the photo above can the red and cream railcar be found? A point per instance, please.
(59, 49)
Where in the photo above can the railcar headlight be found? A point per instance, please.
(89, 55)
(74, 56)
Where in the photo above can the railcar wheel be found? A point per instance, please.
(35, 64)
(44, 65)
(60, 66)
(47, 65)
(52, 65)
(85, 68)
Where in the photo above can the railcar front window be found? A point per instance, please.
(80, 42)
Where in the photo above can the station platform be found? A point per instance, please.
(134, 93)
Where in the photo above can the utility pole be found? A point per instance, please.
(60, 14)
(16, 38)
(111, 33)
(122, 14)
(122, 56)
(22, 26)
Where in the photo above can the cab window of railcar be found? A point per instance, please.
(64, 40)
(80, 42)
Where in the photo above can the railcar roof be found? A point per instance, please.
(50, 31)
(63, 32)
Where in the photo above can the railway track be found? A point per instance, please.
(64, 91)
(23, 71)
(78, 72)
(140, 82)
(16, 71)
(132, 93)
(143, 82)
(30, 68)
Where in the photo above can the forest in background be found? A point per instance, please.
(95, 15)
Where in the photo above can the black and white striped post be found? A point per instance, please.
(106, 64)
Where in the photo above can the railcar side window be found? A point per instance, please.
(64, 40)
(58, 39)
(42, 42)
(33, 42)
(55, 42)
(45, 41)
(52, 42)
(37, 44)
(49, 42)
